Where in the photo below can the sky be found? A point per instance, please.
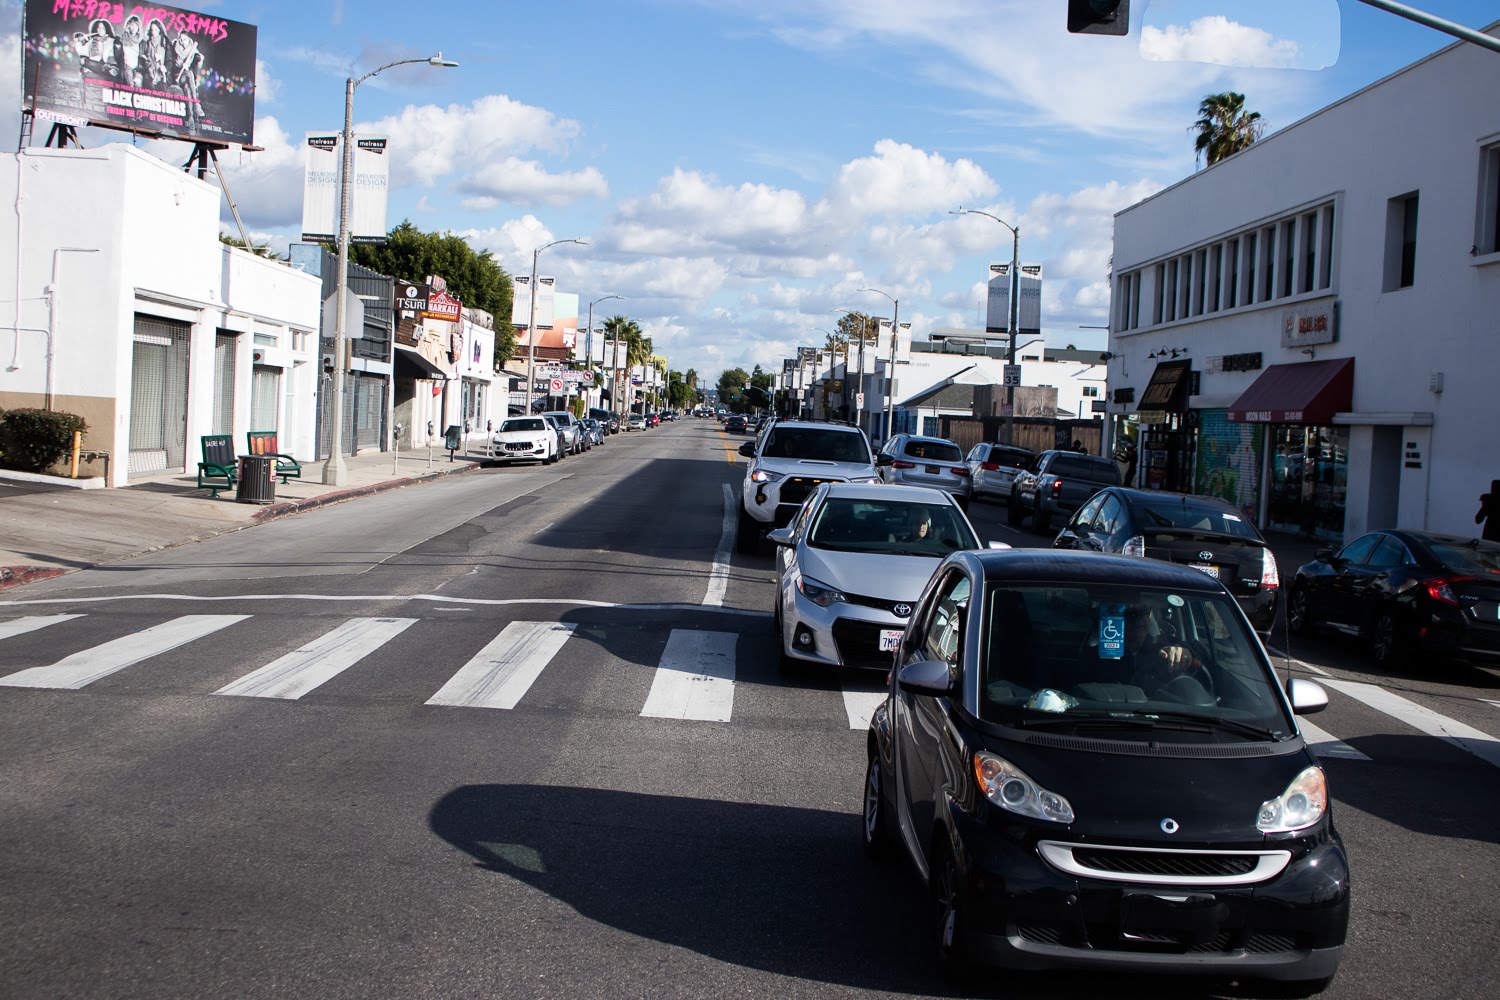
(741, 169)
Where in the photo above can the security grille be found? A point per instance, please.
(224, 344)
(158, 396)
(364, 413)
(265, 399)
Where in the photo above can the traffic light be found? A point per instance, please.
(1099, 17)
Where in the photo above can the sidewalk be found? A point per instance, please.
(46, 533)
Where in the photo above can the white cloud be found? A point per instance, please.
(527, 183)
(902, 179)
(1217, 39)
(267, 88)
(267, 186)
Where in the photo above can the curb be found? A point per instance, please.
(279, 510)
(15, 576)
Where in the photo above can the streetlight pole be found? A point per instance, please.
(531, 323)
(890, 397)
(1015, 305)
(588, 337)
(335, 473)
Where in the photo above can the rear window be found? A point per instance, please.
(1095, 470)
(936, 451)
(1193, 517)
(1017, 458)
(820, 443)
(1476, 558)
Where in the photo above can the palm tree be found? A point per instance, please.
(1224, 127)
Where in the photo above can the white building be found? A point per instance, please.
(1310, 327)
(127, 310)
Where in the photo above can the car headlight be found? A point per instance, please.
(820, 593)
(1009, 787)
(867, 480)
(1302, 804)
(765, 476)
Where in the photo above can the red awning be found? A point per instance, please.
(1307, 393)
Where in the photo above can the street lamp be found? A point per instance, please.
(531, 323)
(335, 473)
(1015, 296)
(890, 396)
(588, 337)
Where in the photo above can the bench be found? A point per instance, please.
(264, 443)
(218, 470)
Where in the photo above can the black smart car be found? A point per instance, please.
(1406, 592)
(1207, 534)
(1093, 765)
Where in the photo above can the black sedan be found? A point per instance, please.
(1406, 592)
(1207, 534)
(735, 424)
(1093, 765)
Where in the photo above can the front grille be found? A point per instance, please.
(1165, 863)
(881, 604)
(1041, 935)
(1270, 944)
(795, 489)
(518, 446)
(859, 645)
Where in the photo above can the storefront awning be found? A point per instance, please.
(1167, 392)
(411, 364)
(1307, 393)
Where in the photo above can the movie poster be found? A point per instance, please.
(146, 68)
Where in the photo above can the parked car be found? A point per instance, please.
(1409, 594)
(735, 424)
(653, 420)
(523, 439)
(851, 566)
(562, 436)
(1057, 482)
(1206, 534)
(787, 463)
(608, 419)
(572, 430)
(635, 422)
(992, 468)
(1093, 765)
(910, 460)
(593, 431)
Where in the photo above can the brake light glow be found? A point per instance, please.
(1270, 579)
(1442, 589)
(962, 470)
(990, 466)
(1057, 486)
(899, 464)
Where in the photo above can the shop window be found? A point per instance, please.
(1215, 277)
(1252, 248)
(1171, 308)
(1309, 250)
(1325, 264)
(1199, 286)
(1122, 321)
(1185, 282)
(1232, 293)
(1401, 242)
(1487, 239)
(1161, 284)
(1289, 256)
(1135, 301)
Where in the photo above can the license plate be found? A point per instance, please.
(933, 470)
(890, 638)
(1208, 568)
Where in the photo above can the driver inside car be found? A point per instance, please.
(1161, 662)
(918, 527)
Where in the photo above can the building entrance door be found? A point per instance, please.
(158, 396)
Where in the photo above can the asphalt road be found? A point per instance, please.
(517, 733)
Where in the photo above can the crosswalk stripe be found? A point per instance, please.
(90, 665)
(20, 626)
(502, 672)
(695, 678)
(1465, 737)
(860, 705)
(1324, 744)
(304, 669)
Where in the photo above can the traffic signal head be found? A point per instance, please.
(1099, 17)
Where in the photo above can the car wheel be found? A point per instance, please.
(1013, 511)
(1385, 648)
(1298, 614)
(747, 535)
(952, 957)
(877, 822)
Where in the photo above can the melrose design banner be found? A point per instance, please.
(141, 67)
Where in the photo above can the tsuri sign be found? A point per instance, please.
(367, 196)
(151, 69)
(411, 298)
(442, 306)
(1315, 323)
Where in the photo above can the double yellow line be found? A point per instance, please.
(731, 454)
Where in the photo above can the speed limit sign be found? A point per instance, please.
(557, 385)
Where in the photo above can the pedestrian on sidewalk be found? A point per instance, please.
(1489, 512)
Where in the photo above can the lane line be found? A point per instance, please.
(1465, 737)
(1296, 662)
(1325, 744)
(20, 626)
(860, 705)
(304, 669)
(731, 455)
(501, 673)
(695, 678)
(89, 665)
(491, 602)
(1488, 702)
(718, 576)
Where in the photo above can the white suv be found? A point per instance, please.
(788, 462)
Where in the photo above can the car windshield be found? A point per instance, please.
(1095, 470)
(890, 527)
(1472, 558)
(1016, 458)
(1194, 517)
(1142, 658)
(934, 451)
(823, 443)
(562, 418)
(524, 424)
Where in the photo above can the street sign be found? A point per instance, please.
(1012, 375)
(859, 399)
(557, 385)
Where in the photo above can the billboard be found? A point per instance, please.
(520, 313)
(367, 196)
(997, 314)
(151, 69)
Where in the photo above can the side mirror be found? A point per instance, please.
(1065, 540)
(999, 546)
(930, 677)
(748, 449)
(884, 461)
(1307, 697)
(781, 536)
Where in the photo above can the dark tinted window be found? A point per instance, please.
(1109, 516)
(936, 451)
(1193, 517)
(1358, 550)
(1389, 553)
(524, 424)
(895, 527)
(1016, 458)
(1095, 470)
(820, 443)
(1470, 558)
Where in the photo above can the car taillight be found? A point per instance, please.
(1269, 578)
(962, 470)
(990, 466)
(1057, 486)
(1441, 589)
(1136, 547)
(899, 464)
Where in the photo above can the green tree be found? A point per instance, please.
(474, 277)
(732, 384)
(259, 249)
(1224, 127)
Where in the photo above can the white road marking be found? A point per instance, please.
(695, 678)
(20, 626)
(860, 705)
(1324, 744)
(718, 577)
(1488, 702)
(1299, 663)
(1465, 737)
(489, 602)
(502, 672)
(90, 665)
(304, 669)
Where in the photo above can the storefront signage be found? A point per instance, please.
(1169, 386)
(1152, 416)
(1309, 325)
(442, 306)
(1242, 362)
(411, 298)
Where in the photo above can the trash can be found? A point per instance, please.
(257, 479)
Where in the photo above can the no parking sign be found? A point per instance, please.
(557, 385)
